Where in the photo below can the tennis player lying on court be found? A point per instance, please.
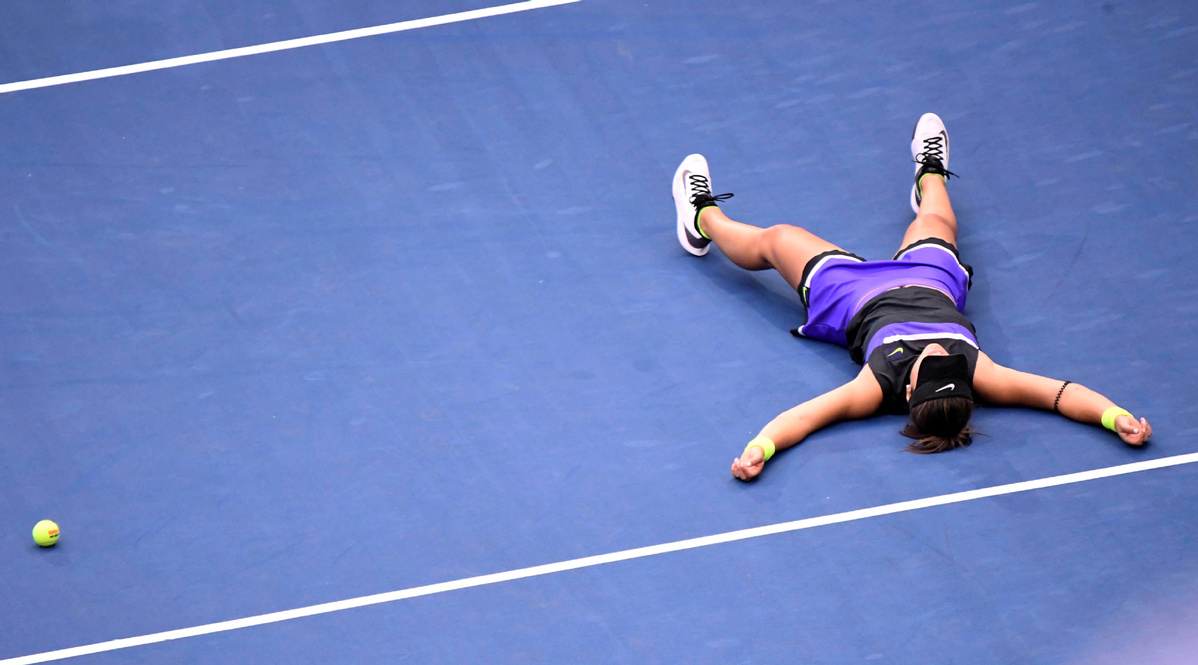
(901, 319)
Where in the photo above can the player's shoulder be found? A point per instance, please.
(985, 365)
(867, 388)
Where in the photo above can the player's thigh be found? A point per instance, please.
(930, 226)
(789, 248)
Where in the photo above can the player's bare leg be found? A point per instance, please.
(783, 247)
(934, 217)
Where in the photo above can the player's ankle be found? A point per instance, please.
(702, 219)
(920, 182)
(937, 175)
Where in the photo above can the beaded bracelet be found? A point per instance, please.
(1056, 405)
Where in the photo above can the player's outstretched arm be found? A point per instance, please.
(858, 398)
(1002, 385)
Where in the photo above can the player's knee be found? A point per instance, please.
(932, 226)
(934, 222)
(779, 233)
(773, 238)
(778, 241)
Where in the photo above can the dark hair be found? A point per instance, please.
(938, 425)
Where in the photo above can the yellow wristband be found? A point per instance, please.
(765, 444)
(1109, 416)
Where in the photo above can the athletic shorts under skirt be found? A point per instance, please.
(837, 284)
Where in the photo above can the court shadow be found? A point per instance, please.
(767, 294)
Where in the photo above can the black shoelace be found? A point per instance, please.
(932, 163)
(702, 188)
(932, 147)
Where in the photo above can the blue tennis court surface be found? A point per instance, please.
(307, 326)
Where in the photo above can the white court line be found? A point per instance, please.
(585, 562)
(282, 46)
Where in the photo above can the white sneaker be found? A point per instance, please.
(929, 149)
(692, 193)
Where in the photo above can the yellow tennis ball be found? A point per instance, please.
(45, 533)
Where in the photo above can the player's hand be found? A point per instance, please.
(1132, 431)
(749, 464)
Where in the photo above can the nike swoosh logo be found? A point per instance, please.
(892, 353)
(948, 387)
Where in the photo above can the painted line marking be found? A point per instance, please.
(586, 562)
(282, 46)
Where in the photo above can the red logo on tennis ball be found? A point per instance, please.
(52, 533)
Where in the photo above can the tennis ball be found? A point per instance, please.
(45, 533)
